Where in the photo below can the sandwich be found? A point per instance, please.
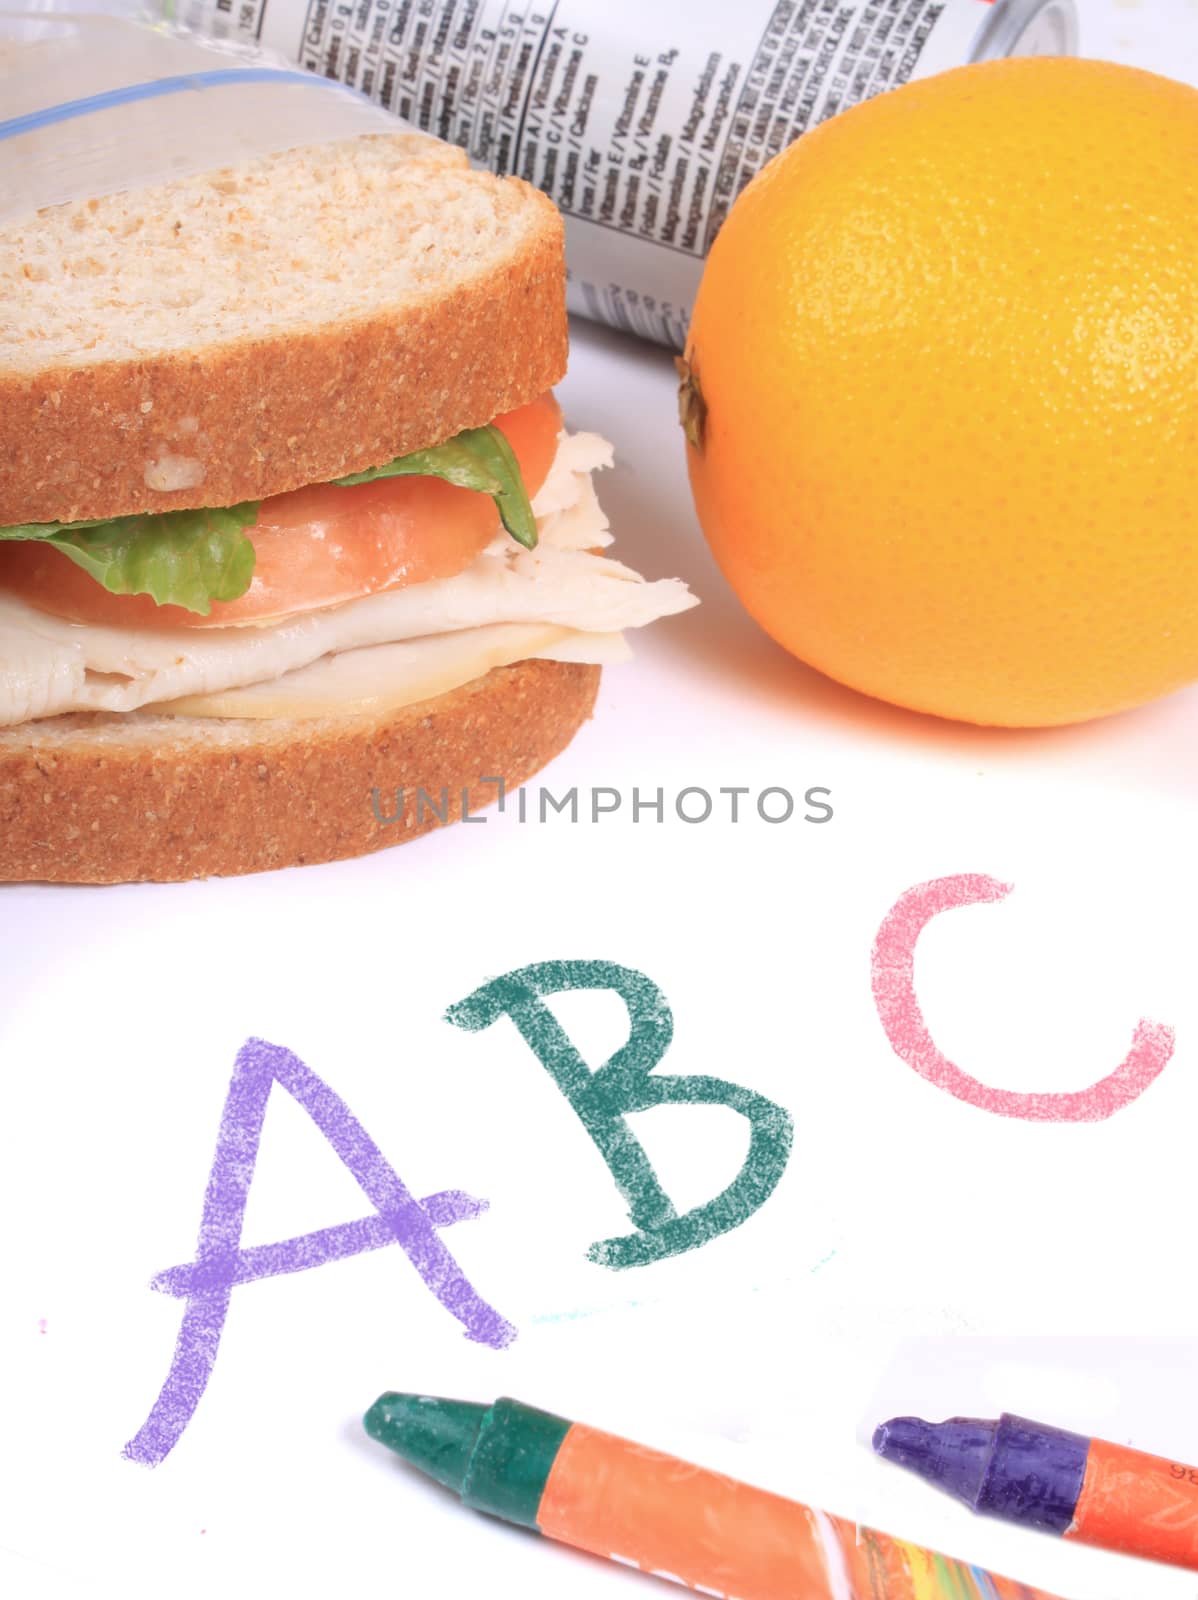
(292, 535)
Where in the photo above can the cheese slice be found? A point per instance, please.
(49, 666)
(387, 677)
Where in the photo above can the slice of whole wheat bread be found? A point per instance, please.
(106, 798)
(242, 333)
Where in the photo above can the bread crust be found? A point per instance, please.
(105, 798)
(262, 416)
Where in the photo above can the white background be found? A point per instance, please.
(918, 1254)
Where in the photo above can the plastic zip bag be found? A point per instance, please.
(93, 104)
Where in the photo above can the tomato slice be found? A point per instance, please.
(314, 547)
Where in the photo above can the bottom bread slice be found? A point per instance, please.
(138, 797)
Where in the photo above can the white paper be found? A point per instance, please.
(763, 1351)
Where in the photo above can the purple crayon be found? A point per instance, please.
(1063, 1483)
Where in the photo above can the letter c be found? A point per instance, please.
(893, 967)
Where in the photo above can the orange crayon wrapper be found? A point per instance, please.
(1139, 1504)
(724, 1538)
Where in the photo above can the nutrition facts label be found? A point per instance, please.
(642, 121)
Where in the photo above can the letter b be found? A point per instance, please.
(625, 1083)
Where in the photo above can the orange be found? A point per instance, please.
(944, 385)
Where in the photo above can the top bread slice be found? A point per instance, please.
(241, 333)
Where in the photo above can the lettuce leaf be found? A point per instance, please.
(180, 558)
(478, 458)
(191, 558)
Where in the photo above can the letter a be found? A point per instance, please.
(220, 1264)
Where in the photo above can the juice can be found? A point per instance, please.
(643, 121)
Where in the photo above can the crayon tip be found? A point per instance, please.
(903, 1439)
(952, 1454)
(438, 1436)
